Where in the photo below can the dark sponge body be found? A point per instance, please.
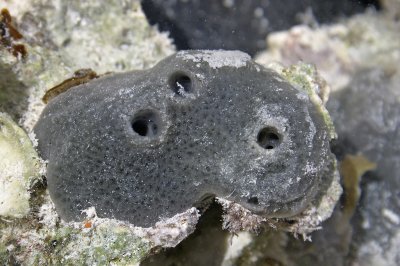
(141, 146)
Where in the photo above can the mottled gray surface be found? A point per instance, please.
(140, 146)
(367, 119)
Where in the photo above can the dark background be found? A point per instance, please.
(241, 24)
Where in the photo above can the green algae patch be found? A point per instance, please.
(101, 245)
(118, 245)
(106, 242)
(20, 166)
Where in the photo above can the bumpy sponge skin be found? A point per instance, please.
(142, 146)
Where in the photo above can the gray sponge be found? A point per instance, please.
(142, 146)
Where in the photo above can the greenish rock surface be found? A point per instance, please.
(36, 242)
(20, 169)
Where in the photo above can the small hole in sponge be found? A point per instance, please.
(146, 124)
(204, 202)
(268, 138)
(180, 83)
(253, 200)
